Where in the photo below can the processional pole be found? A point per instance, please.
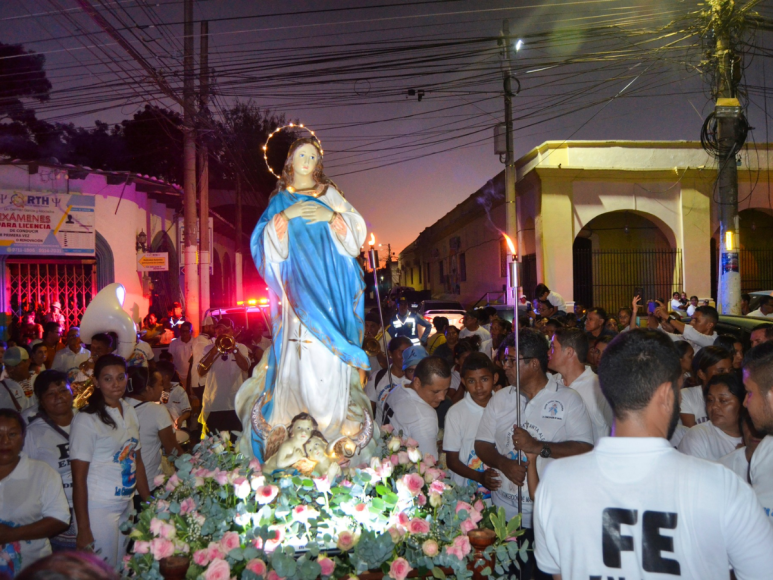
(374, 264)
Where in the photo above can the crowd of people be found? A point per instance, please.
(86, 433)
(583, 376)
(681, 401)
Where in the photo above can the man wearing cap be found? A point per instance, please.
(12, 396)
(177, 319)
(223, 374)
(69, 359)
(407, 323)
(55, 315)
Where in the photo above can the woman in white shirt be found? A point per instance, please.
(48, 439)
(722, 433)
(32, 503)
(143, 392)
(738, 460)
(106, 463)
(710, 361)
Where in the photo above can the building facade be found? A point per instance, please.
(597, 221)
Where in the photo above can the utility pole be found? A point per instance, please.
(204, 167)
(508, 52)
(190, 246)
(238, 252)
(729, 116)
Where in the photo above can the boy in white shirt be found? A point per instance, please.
(634, 507)
(479, 377)
(411, 408)
(174, 397)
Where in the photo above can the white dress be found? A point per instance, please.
(309, 375)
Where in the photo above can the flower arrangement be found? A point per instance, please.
(396, 515)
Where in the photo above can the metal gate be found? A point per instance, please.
(609, 278)
(33, 283)
(756, 270)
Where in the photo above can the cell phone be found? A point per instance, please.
(651, 306)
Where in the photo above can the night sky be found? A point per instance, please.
(588, 70)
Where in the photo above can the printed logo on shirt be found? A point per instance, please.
(10, 554)
(64, 455)
(127, 458)
(474, 463)
(553, 410)
(701, 420)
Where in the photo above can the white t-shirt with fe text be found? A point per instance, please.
(648, 512)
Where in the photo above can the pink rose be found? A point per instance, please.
(430, 460)
(255, 465)
(431, 474)
(173, 482)
(412, 482)
(141, 547)
(479, 506)
(463, 505)
(327, 565)
(230, 541)
(256, 566)
(159, 480)
(430, 548)
(394, 460)
(421, 499)
(180, 546)
(360, 507)
(388, 429)
(467, 526)
(221, 477)
(161, 548)
(241, 487)
(346, 541)
(399, 569)
(418, 526)
(411, 442)
(386, 469)
(155, 526)
(304, 513)
(274, 542)
(437, 487)
(218, 569)
(214, 552)
(397, 533)
(187, 506)
(272, 575)
(266, 494)
(460, 547)
(200, 558)
(402, 458)
(403, 519)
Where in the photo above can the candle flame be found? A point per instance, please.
(510, 244)
(372, 239)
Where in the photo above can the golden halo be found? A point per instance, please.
(288, 126)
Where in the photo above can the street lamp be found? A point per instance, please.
(142, 239)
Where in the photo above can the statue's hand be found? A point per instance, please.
(314, 212)
(280, 225)
(294, 211)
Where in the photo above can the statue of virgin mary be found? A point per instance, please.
(305, 247)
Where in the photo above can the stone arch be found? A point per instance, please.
(105, 261)
(616, 253)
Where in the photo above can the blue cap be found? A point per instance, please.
(413, 355)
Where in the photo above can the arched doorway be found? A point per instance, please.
(105, 262)
(166, 285)
(620, 252)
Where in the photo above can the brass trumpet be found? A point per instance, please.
(371, 346)
(225, 345)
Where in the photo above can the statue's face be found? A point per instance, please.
(305, 159)
(302, 429)
(315, 449)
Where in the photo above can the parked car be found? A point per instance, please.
(251, 317)
(451, 309)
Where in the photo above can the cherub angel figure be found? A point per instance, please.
(292, 449)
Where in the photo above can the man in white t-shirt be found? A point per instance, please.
(554, 424)
(69, 359)
(381, 382)
(223, 380)
(542, 292)
(411, 408)
(699, 333)
(181, 349)
(568, 352)
(764, 308)
(142, 355)
(635, 507)
(479, 376)
(472, 327)
(758, 380)
(13, 389)
(761, 333)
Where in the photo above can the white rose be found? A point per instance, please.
(414, 455)
(394, 444)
